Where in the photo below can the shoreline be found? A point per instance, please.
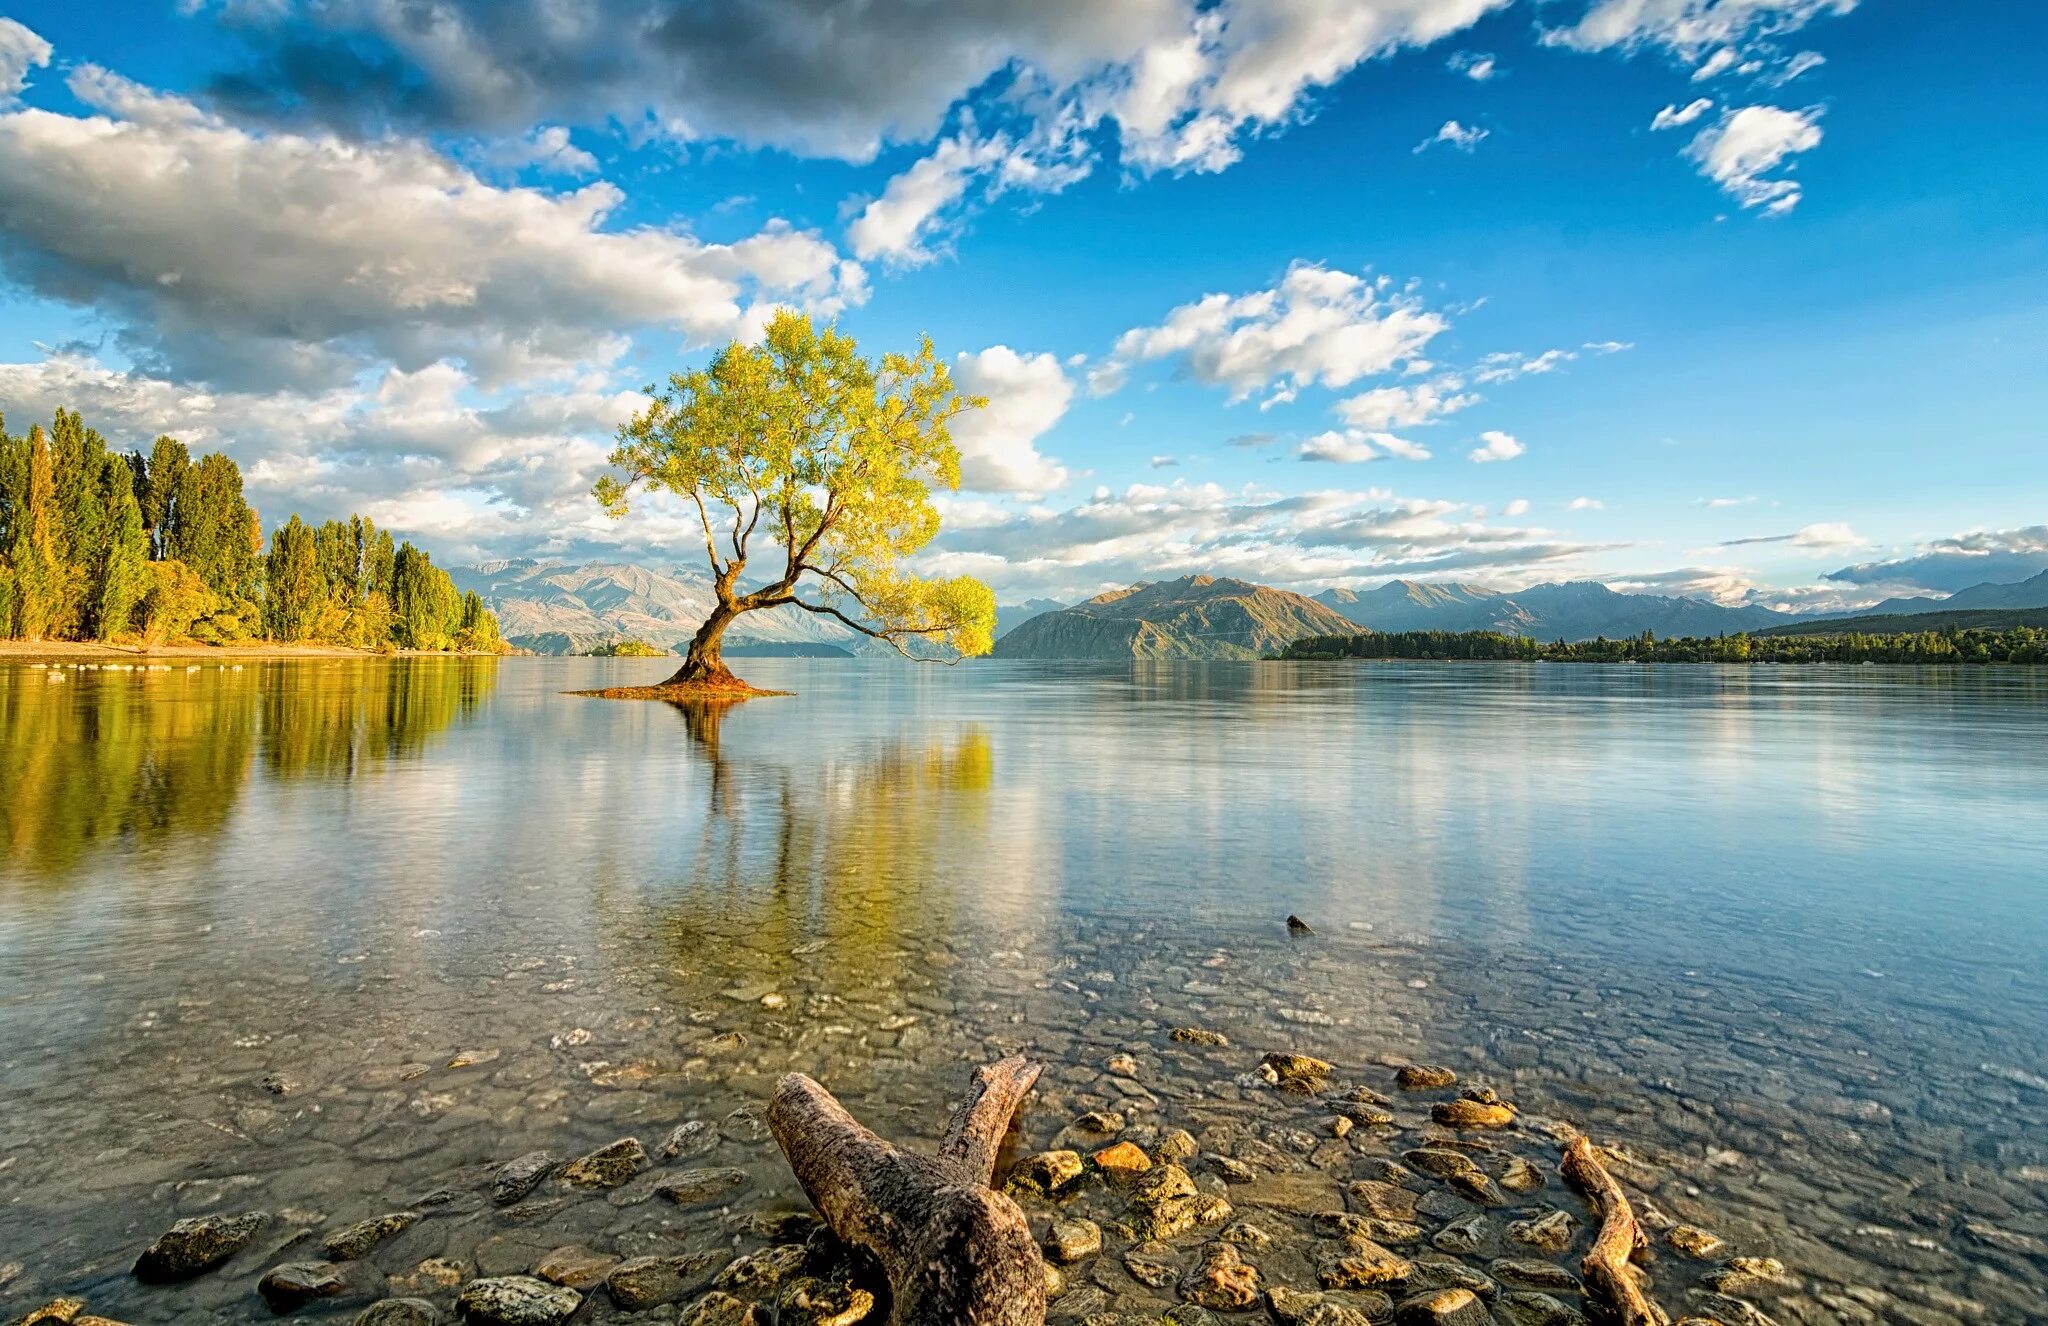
(255, 651)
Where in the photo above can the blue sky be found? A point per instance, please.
(1313, 293)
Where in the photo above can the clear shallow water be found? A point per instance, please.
(1780, 932)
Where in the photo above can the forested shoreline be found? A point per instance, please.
(117, 547)
(2017, 645)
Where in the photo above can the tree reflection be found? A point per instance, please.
(156, 758)
(860, 853)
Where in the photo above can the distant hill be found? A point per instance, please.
(560, 608)
(1901, 623)
(1194, 617)
(1010, 616)
(1573, 610)
(2029, 593)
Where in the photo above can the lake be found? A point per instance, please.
(331, 938)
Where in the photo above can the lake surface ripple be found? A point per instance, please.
(1779, 934)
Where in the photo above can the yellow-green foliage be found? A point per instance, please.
(832, 458)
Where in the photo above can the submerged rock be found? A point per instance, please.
(399, 1312)
(1447, 1307)
(196, 1245)
(647, 1282)
(694, 1187)
(291, 1286)
(1301, 1073)
(516, 1178)
(608, 1166)
(516, 1300)
(352, 1241)
(1424, 1077)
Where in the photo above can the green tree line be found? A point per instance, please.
(98, 544)
(2020, 644)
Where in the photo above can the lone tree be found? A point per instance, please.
(830, 458)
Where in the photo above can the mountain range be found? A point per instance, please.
(1573, 610)
(1193, 617)
(556, 608)
(560, 608)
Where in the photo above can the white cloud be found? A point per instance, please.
(20, 51)
(1475, 65)
(1586, 504)
(1720, 62)
(1828, 538)
(235, 256)
(896, 224)
(1946, 565)
(1354, 446)
(1027, 395)
(1518, 507)
(1675, 116)
(1495, 445)
(547, 147)
(1688, 27)
(1318, 326)
(1803, 63)
(1506, 366)
(1739, 151)
(1150, 531)
(1404, 407)
(1165, 462)
(1249, 65)
(1722, 503)
(1456, 135)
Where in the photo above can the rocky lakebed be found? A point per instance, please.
(1220, 1134)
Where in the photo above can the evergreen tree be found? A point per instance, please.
(123, 571)
(295, 592)
(42, 578)
(423, 598)
(479, 630)
(168, 461)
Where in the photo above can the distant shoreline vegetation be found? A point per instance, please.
(119, 548)
(2016, 645)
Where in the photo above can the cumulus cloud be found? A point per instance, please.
(1148, 531)
(1404, 407)
(1462, 137)
(1586, 504)
(1740, 150)
(21, 50)
(1318, 326)
(1027, 395)
(1518, 507)
(1946, 565)
(516, 466)
(239, 257)
(1352, 447)
(1475, 65)
(1495, 445)
(547, 147)
(1676, 117)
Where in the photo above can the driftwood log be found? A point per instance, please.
(955, 1252)
(1607, 1266)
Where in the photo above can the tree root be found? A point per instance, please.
(955, 1252)
(1607, 1267)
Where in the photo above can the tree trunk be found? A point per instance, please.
(956, 1253)
(1607, 1267)
(704, 664)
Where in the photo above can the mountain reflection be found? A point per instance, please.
(156, 758)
